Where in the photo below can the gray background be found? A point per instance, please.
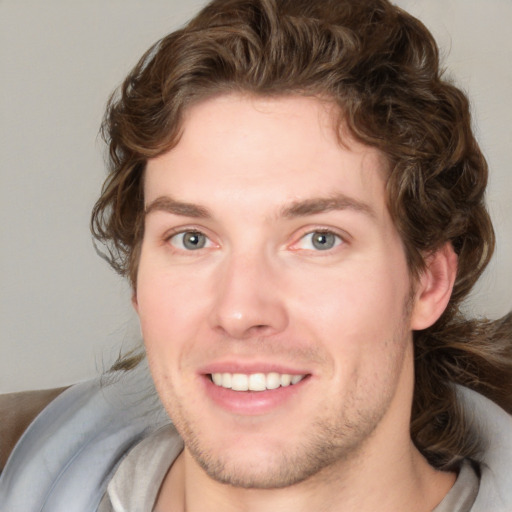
(64, 315)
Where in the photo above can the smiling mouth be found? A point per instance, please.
(255, 381)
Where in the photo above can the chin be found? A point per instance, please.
(260, 465)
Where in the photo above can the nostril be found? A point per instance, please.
(260, 327)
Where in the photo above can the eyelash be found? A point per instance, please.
(182, 233)
(332, 236)
(336, 239)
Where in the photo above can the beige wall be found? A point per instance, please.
(63, 314)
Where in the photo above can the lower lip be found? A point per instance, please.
(251, 403)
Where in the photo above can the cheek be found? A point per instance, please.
(167, 328)
(168, 305)
(357, 307)
(358, 319)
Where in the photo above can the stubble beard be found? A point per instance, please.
(329, 442)
(324, 448)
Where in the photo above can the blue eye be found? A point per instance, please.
(320, 241)
(190, 240)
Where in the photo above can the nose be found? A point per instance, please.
(248, 299)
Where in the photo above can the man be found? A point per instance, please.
(297, 199)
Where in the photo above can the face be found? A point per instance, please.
(273, 292)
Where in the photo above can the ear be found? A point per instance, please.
(434, 287)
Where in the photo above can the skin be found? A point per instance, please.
(256, 177)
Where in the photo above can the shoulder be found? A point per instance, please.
(494, 427)
(68, 454)
(17, 411)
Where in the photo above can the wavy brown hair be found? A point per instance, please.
(380, 66)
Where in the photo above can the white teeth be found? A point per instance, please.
(240, 382)
(255, 381)
(226, 380)
(286, 379)
(296, 378)
(273, 380)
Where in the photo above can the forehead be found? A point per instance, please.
(269, 151)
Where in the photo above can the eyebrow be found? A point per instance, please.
(314, 206)
(301, 208)
(170, 205)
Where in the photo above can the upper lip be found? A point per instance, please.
(250, 367)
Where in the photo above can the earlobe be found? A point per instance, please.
(434, 287)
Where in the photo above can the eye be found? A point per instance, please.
(320, 241)
(190, 240)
